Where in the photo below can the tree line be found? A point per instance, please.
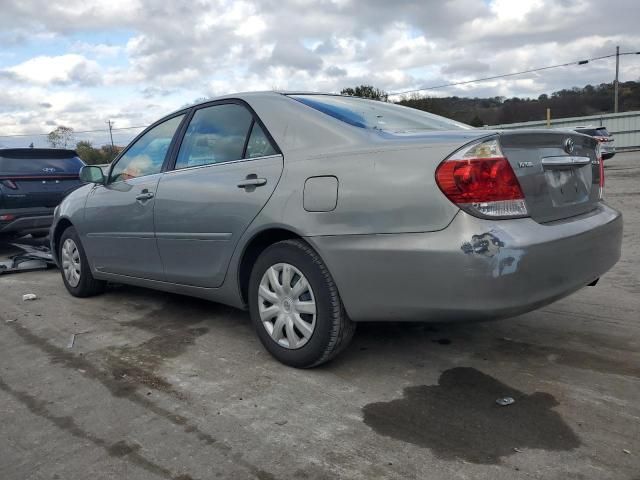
(63, 137)
(573, 102)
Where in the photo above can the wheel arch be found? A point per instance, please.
(61, 226)
(252, 250)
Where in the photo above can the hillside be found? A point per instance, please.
(574, 102)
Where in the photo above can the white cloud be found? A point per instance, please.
(62, 70)
(135, 59)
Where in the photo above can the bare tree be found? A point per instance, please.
(61, 137)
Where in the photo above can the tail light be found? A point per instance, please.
(7, 217)
(479, 179)
(9, 184)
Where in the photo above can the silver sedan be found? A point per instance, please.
(315, 212)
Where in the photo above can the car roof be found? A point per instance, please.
(263, 93)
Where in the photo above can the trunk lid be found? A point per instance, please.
(558, 171)
(37, 177)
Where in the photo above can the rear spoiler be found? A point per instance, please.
(37, 153)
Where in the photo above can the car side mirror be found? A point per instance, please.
(92, 174)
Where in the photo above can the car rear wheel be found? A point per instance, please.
(295, 306)
(74, 267)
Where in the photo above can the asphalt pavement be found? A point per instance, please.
(137, 384)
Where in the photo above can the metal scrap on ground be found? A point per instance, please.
(33, 258)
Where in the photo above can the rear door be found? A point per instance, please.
(118, 226)
(225, 171)
(32, 178)
(558, 171)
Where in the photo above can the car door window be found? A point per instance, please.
(258, 144)
(215, 134)
(146, 156)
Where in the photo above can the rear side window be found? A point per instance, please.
(146, 156)
(258, 144)
(215, 134)
(39, 166)
(376, 115)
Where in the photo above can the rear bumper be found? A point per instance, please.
(27, 220)
(474, 269)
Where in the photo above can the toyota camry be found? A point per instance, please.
(316, 211)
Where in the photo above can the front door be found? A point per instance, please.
(118, 231)
(225, 171)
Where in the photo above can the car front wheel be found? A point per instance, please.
(74, 266)
(295, 306)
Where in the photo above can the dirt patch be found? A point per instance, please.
(64, 358)
(136, 365)
(459, 419)
(68, 424)
(172, 326)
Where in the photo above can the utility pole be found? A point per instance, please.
(111, 134)
(615, 82)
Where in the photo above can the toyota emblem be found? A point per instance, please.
(569, 145)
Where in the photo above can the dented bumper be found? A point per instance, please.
(474, 269)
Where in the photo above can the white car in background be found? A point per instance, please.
(602, 135)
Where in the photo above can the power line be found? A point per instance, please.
(74, 132)
(504, 75)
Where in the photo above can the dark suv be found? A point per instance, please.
(33, 181)
(604, 138)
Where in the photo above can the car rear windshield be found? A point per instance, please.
(376, 115)
(38, 163)
(594, 132)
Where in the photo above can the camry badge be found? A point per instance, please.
(525, 164)
(569, 145)
(49, 169)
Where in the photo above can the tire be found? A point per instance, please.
(332, 330)
(85, 285)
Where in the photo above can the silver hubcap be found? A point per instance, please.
(71, 262)
(287, 306)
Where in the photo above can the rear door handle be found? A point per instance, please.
(145, 195)
(252, 181)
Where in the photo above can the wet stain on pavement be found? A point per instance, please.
(572, 358)
(171, 325)
(459, 419)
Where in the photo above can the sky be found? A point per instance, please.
(80, 63)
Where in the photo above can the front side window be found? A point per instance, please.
(376, 115)
(146, 156)
(216, 134)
